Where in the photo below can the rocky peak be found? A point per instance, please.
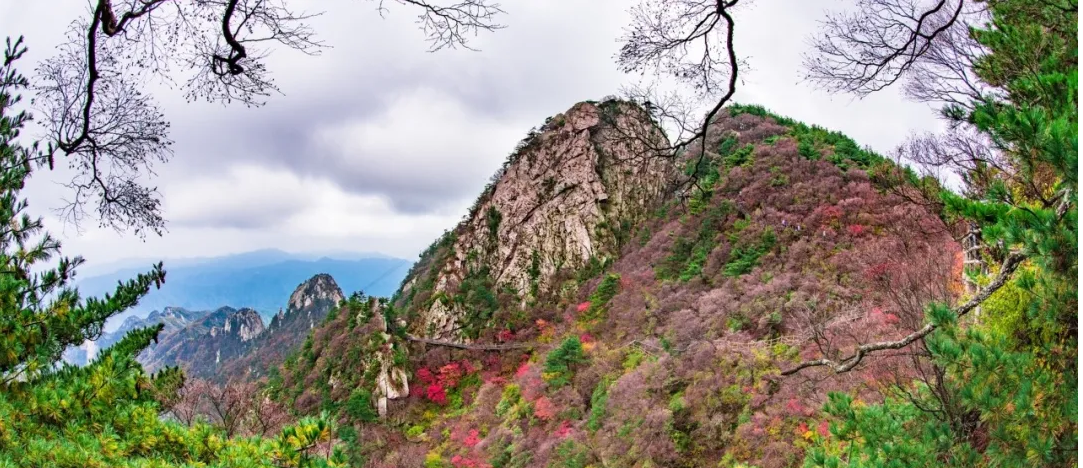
(246, 324)
(566, 197)
(318, 292)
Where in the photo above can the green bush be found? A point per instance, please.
(561, 362)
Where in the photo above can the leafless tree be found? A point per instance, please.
(230, 405)
(267, 416)
(113, 134)
(867, 50)
(691, 42)
(189, 405)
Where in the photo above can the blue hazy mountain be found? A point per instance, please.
(262, 280)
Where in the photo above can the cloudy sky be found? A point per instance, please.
(378, 145)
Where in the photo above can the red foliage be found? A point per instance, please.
(565, 429)
(823, 429)
(472, 438)
(523, 369)
(436, 394)
(504, 335)
(582, 307)
(802, 429)
(586, 338)
(855, 229)
(794, 407)
(833, 212)
(459, 461)
(544, 409)
(425, 376)
(450, 374)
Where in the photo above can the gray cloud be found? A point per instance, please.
(379, 145)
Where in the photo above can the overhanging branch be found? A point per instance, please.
(1007, 268)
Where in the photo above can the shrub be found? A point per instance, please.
(359, 406)
(599, 300)
(744, 258)
(598, 400)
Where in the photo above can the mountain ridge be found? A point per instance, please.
(240, 284)
(795, 242)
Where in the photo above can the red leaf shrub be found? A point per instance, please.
(565, 429)
(855, 229)
(544, 409)
(582, 307)
(504, 335)
(436, 394)
(425, 376)
(523, 369)
(471, 439)
(459, 461)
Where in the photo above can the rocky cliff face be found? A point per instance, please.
(567, 197)
(201, 347)
(311, 301)
(245, 324)
(307, 307)
(174, 319)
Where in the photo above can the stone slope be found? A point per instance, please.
(568, 195)
(201, 347)
(174, 319)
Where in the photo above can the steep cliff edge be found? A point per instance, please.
(568, 196)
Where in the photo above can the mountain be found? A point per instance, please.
(257, 280)
(595, 308)
(200, 347)
(234, 342)
(174, 319)
(308, 306)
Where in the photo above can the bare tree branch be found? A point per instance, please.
(870, 49)
(114, 134)
(1007, 268)
(692, 42)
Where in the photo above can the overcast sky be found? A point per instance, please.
(378, 145)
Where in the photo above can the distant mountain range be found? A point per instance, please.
(261, 280)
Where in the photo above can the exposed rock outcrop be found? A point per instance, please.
(307, 307)
(569, 194)
(246, 324)
(202, 346)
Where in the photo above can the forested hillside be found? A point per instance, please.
(634, 288)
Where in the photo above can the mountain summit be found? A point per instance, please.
(565, 199)
(584, 310)
(308, 306)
